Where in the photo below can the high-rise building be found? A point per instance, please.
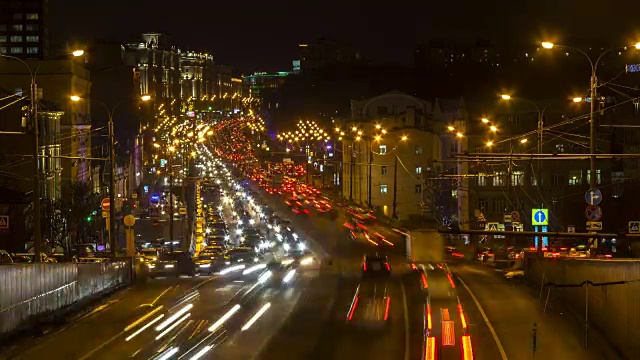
(23, 29)
(198, 81)
(324, 52)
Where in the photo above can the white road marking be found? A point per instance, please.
(503, 354)
(406, 321)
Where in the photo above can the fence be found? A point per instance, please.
(606, 293)
(33, 290)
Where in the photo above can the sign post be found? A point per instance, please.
(634, 227)
(540, 221)
(4, 222)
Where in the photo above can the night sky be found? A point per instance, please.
(263, 35)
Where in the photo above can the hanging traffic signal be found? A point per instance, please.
(89, 218)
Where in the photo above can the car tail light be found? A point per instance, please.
(306, 211)
(386, 264)
(364, 266)
(453, 284)
(463, 320)
(386, 309)
(430, 348)
(428, 314)
(423, 279)
(467, 348)
(354, 304)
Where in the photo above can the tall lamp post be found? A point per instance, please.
(33, 115)
(171, 208)
(593, 93)
(112, 168)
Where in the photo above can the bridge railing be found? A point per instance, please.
(30, 291)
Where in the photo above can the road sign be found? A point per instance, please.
(182, 210)
(4, 222)
(507, 218)
(515, 216)
(106, 204)
(593, 197)
(517, 226)
(492, 226)
(105, 214)
(571, 228)
(594, 225)
(593, 213)
(634, 227)
(129, 220)
(134, 195)
(539, 217)
(154, 212)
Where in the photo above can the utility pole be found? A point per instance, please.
(112, 189)
(395, 187)
(351, 170)
(538, 163)
(171, 211)
(370, 176)
(592, 128)
(37, 236)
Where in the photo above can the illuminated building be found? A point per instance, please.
(198, 82)
(324, 52)
(267, 87)
(23, 29)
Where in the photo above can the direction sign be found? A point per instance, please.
(571, 228)
(4, 222)
(594, 225)
(539, 217)
(593, 197)
(515, 216)
(492, 226)
(182, 210)
(593, 213)
(507, 218)
(106, 204)
(634, 227)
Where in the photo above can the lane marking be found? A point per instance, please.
(406, 321)
(503, 354)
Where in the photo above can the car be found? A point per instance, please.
(375, 264)
(5, 258)
(240, 255)
(173, 263)
(150, 254)
(294, 248)
(209, 260)
(300, 210)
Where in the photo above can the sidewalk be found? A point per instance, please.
(512, 310)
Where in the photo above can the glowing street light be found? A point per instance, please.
(505, 96)
(577, 99)
(404, 138)
(77, 53)
(145, 97)
(459, 134)
(75, 98)
(485, 120)
(489, 143)
(523, 141)
(451, 128)
(493, 128)
(547, 45)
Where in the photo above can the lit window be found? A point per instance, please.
(418, 149)
(3, 50)
(517, 178)
(16, 38)
(3, 39)
(498, 179)
(16, 27)
(482, 179)
(418, 170)
(418, 189)
(33, 38)
(598, 177)
(32, 16)
(383, 149)
(16, 50)
(384, 189)
(33, 27)
(575, 177)
(32, 50)
(383, 170)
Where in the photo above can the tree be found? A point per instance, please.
(81, 209)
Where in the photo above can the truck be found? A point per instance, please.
(423, 246)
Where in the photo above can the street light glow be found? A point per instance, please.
(354, 129)
(404, 138)
(75, 98)
(378, 137)
(78, 53)
(451, 128)
(637, 45)
(547, 45)
(577, 99)
(493, 128)
(156, 145)
(485, 120)
(489, 143)
(459, 134)
(505, 96)
(145, 97)
(523, 141)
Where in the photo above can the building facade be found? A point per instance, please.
(388, 147)
(23, 29)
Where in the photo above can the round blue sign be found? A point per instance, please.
(540, 217)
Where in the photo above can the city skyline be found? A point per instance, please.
(265, 36)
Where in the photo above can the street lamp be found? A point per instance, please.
(593, 95)
(112, 165)
(505, 97)
(33, 114)
(577, 99)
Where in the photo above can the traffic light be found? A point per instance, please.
(89, 218)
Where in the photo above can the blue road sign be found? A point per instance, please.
(539, 217)
(593, 197)
(593, 212)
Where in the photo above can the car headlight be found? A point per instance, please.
(151, 266)
(295, 236)
(255, 259)
(226, 237)
(169, 266)
(286, 247)
(205, 265)
(251, 221)
(302, 246)
(238, 231)
(227, 262)
(239, 222)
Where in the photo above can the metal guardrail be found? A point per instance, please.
(33, 290)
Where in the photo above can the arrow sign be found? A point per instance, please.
(593, 197)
